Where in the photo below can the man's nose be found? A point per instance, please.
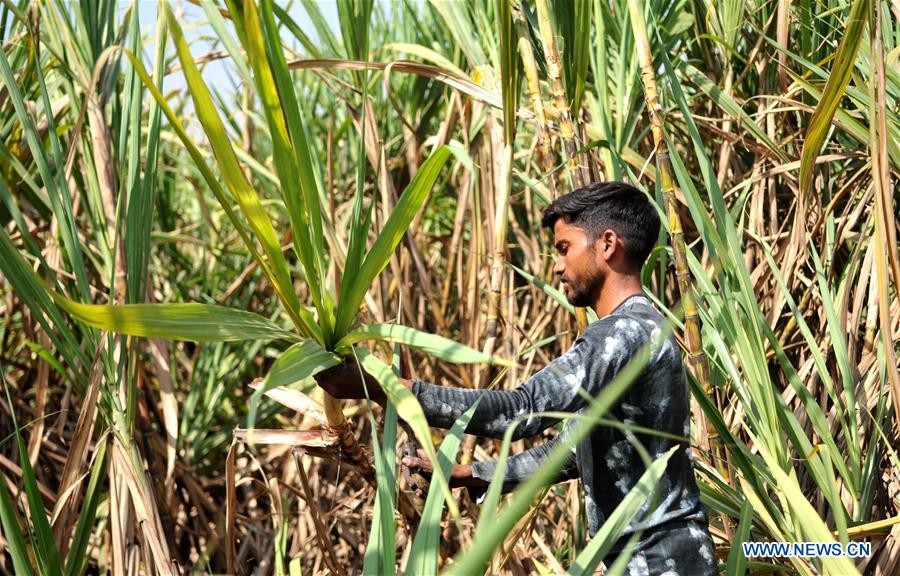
(559, 267)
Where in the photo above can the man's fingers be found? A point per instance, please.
(412, 462)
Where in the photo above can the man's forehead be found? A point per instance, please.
(563, 230)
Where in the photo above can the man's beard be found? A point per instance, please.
(583, 295)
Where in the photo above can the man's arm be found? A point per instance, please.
(591, 362)
(594, 359)
(518, 467)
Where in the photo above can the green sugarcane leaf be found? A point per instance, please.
(381, 551)
(34, 293)
(52, 180)
(572, 21)
(733, 109)
(841, 70)
(231, 171)
(324, 30)
(12, 532)
(291, 25)
(810, 525)
(737, 562)
(356, 283)
(410, 410)
(77, 556)
(625, 512)
(434, 345)
(299, 362)
(552, 292)
(509, 69)
(457, 20)
(292, 158)
(304, 319)
(43, 543)
(425, 553)
(192, 321)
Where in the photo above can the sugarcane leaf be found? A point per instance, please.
(12, 532)
(191, 321)
(841, 70)
(810, 525)
(324, 31)
(232, 174)
(299, 362)
(356, 283)
(509, 69)
(572, 19)
(425, 553)
(432, 344)
(409, 409)
(381, 551)
(587, 560)
(458, 21)
(552, 292)
(426, 54)
(33, 292)
(733, 109)
(57, 190)
(737, 562)
(77, 556)
(43, 543)
(292, 158)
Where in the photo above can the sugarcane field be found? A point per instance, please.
(456, 287)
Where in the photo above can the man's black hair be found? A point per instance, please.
(615, 206)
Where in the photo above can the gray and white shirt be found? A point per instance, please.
(606, 461)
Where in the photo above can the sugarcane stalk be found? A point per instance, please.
(884, 229)
(696, 357)
(529, 66)
(502, 155)
(501, 226)
(347, 441)
(577, 170)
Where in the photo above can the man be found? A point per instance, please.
(603, 233)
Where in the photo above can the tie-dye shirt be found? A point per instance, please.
(606, 460)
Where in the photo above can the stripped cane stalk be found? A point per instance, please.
(696, 357)
(501, 225)
(349, 445)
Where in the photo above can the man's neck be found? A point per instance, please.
(615, 290)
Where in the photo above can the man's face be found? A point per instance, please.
(577, 264)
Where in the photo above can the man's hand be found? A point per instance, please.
(420, 470)
(345, 381)
(417, 471)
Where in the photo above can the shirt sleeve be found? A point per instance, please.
(593, 361)
(521, 466)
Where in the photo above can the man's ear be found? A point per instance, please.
(607, 243)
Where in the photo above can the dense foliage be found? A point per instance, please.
(164, 243)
